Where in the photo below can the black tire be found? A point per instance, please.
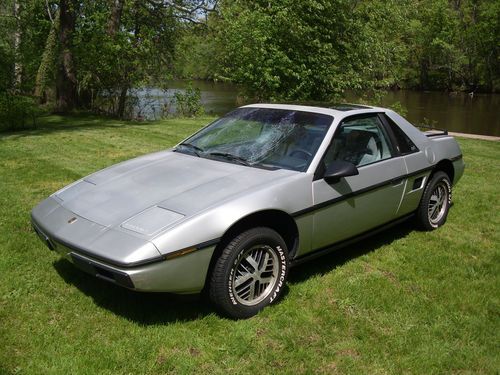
(250, 259)
(435, 203)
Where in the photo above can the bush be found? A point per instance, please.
(188, 103)
(17, 112)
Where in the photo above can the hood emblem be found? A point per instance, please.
(72, 220)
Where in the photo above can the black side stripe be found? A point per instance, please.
(344, 197)
(319, 206)
(206, 244)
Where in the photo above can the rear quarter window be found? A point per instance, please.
(403, 143)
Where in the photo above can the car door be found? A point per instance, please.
(356, 204)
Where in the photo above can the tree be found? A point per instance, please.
(113, 26)
(17, 43)
(7, 27)
(455, 45)
(115, 17)
(292, 50)
(66, 80)
(45, 69)
(125, 44)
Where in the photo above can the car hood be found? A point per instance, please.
(177, 182)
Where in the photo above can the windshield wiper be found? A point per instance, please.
(231, 157)
(196, 150)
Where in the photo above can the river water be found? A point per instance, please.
(458, 112)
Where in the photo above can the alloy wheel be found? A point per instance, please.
(438, 203)
(255, 275)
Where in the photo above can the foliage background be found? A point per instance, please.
(318, 49)
(72, 54)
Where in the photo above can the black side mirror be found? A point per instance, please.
(338, 169)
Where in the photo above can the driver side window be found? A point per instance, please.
(360, 141)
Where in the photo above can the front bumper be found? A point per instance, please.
(184, 274)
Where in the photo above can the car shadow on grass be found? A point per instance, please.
(165, 308)
(142, 308)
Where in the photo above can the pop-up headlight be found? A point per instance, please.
(152, 220)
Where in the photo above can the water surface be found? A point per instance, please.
(458, 112)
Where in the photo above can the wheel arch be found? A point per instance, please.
(278, 220)
(445, 166)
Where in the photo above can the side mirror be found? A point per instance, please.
(338, 169)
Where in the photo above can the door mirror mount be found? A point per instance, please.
(339, 169)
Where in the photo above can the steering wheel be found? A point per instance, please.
(302, 152)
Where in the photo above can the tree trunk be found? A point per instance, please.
(113, 26)
(424, 74)
(66, 83)
(122, 101)
(17, 55)
(115, 17)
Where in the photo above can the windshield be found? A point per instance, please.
(262, 137)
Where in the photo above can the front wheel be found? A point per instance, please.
(250, 273)
(435, 203)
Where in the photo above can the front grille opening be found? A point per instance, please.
(101, 272)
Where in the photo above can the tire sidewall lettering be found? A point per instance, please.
(448, 187)
(282, 274)
(230, 290)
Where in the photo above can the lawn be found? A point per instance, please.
(401, 302)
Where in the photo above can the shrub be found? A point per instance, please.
(188, 103)
(17, 112)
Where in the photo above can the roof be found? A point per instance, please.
(325, 108)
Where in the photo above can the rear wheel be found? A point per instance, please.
(435, 203)
(250, 273)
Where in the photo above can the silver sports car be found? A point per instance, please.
(231, 208)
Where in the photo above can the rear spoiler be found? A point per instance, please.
(431, 131)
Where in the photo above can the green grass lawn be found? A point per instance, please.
(401, 302)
